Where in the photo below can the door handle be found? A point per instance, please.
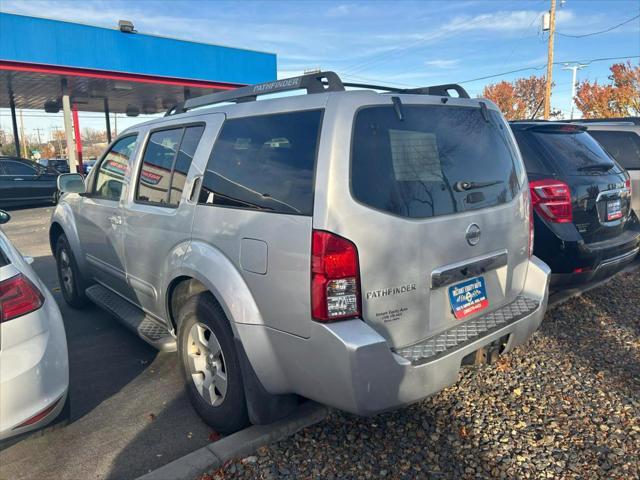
(115, 220)
(18, 179)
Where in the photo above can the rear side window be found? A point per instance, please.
(264, 163)
(165, 164)
(573, 153)
(187, 149)
(623, 146)
(531, 155)
(18, 168)
(438, 160)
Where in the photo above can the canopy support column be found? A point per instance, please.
(107, 119)
(14, 122)
(78, 138)
(68, 128)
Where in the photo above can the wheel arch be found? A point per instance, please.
(205, 268)
(55, 230)
(227, 287)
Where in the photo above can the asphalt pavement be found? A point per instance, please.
(129, 413)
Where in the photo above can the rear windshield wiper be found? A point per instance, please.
(464, 186)
(596, 166)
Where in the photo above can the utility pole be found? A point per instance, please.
(574, 68)
(59, 139)
(39, 139)
(552, 30)
(24, 139)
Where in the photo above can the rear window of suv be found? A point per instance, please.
(573, 153)
(436, 160)
(623, 146)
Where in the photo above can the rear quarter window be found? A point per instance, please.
(623, 146)
(264, 163)
(531, 154)
(415, 167)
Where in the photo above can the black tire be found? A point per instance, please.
(72, 284)
(230, 413)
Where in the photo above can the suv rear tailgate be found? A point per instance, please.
(438, 190)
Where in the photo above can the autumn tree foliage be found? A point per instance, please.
(520, 99)
(620, 98)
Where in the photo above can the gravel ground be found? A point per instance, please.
(566, 405)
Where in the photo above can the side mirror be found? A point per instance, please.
(71, 183)
(4, 217)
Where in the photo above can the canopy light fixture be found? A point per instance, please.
(125, 26)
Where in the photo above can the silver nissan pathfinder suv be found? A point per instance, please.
(351, 247)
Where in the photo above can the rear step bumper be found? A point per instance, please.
(468, 332)
(348, 365)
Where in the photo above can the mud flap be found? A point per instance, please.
(262, 406)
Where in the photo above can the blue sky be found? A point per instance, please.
(404, 43)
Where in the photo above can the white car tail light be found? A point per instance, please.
(18, 296)
(335, 278)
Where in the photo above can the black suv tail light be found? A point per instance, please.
(551, 199)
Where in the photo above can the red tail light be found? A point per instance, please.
(39, 416)
(335, 278)
(627, 184)
(531, 234)
(18, 296)
(552, 200)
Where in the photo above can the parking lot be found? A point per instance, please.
(565, 405)
(128, 411)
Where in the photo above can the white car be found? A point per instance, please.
(34, 365)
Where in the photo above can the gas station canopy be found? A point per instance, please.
(55, 65)
(130, 69)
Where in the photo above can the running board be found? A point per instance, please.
(147, 328)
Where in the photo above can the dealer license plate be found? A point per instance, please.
(614, 210)
(468, 297)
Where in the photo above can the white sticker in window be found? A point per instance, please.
(415, 156)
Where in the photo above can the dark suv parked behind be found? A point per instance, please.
(584, 225)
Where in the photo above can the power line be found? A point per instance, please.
(377, 80)
(601, 31)
(545, 66)
(403, 50)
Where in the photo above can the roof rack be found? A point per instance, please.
(313, 83)
(439, 90)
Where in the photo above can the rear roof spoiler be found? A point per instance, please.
(548, 126)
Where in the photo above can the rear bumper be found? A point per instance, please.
(34, 373)
(349, 366)
(579, 262)
(601, 270)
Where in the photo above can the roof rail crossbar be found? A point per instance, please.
(374, 87)
(313, 83)
(439, 90)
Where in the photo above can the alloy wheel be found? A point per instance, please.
(206, 364)
(66, 272)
